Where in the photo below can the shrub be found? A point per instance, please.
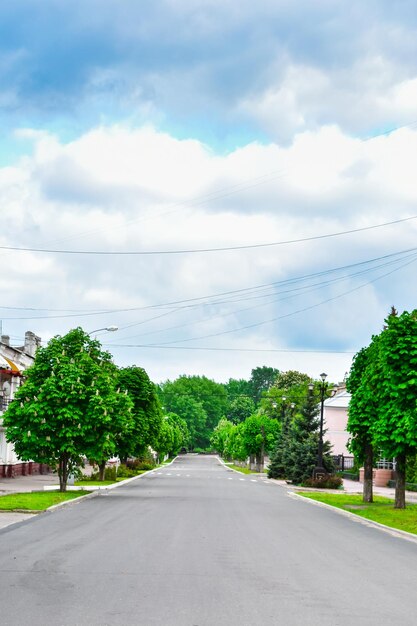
(139, 464)
(328, 481)
(110, 473)
(125, 472)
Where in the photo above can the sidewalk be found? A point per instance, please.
(353, 486)
(36, 482)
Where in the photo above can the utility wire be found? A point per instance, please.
(204, 250)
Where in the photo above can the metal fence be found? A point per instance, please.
(343, 462)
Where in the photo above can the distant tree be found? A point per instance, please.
(68, 406)
(221, 435)
(290, 379)
(201, 402)
(259, 434)
(240, 408)
(237, 388)
(262, 379)
(146, 414)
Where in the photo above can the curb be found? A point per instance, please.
(394, 532)
(237, 471)
(91, 494)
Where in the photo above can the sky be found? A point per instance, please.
(231, 184)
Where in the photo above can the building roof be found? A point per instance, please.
(7, 364)
(339, 401)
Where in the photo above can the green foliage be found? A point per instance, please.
(199, 401)
(220, 437)
(240, 408)
(290, 379)
(383, 384)
(262, 379)
(295, 454)
(328, 481)
(146, 414)
(68, 406)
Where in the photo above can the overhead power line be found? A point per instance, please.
(204, 250)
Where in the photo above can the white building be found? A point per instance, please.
(13, 362)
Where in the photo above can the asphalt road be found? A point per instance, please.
(195, 544)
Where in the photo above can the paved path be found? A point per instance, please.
(195, 544)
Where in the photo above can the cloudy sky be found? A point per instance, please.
(232, 184)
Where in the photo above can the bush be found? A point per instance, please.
(110, 473)
(328, 481)
(125, 472)
(139, 464)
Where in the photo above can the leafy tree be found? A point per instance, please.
(362, 412)
(166, 439)
(238, 387)
(290, 379)
(394, 376)
(240, 408)
(262, 379)
(201, 402)
(146, 414)
(220, 437)
(68, 406)
(259, 434)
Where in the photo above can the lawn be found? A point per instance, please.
(36, 501)
(381, 510)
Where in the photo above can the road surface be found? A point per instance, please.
(195, 544)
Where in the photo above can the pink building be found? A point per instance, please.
(335, 419)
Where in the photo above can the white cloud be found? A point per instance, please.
(122, 188)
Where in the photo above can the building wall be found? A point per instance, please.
(335, 421)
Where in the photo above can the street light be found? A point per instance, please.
(319, 469)
(110, 329)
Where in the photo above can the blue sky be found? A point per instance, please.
(177, 124)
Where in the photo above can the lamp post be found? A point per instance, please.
(319, 469)
(109, 329)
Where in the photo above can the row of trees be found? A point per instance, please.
(284, 426)
(202, 402)
(76, 403)
(383, 406)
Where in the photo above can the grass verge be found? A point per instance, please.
(36, 501)
(242, 470)
(381, 510)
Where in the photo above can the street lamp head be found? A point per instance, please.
(310, 386)
(274, 405)
(292, 405)
(284, 398)
(323, 376)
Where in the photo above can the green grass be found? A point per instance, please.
(242, 470)
(381, 510)
(37, 500)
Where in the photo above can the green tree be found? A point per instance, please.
(240, 408)
(146, 414)
(238, 387)
(201, 402)
(295, 454)
(68, 406)
(290, 379)
(362, 412)
(393, 374)
(262, 379)
(220, 437)
(259, 434)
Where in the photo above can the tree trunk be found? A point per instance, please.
(368, 471)
(400, 482)
(101, 470)
(63, 472)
